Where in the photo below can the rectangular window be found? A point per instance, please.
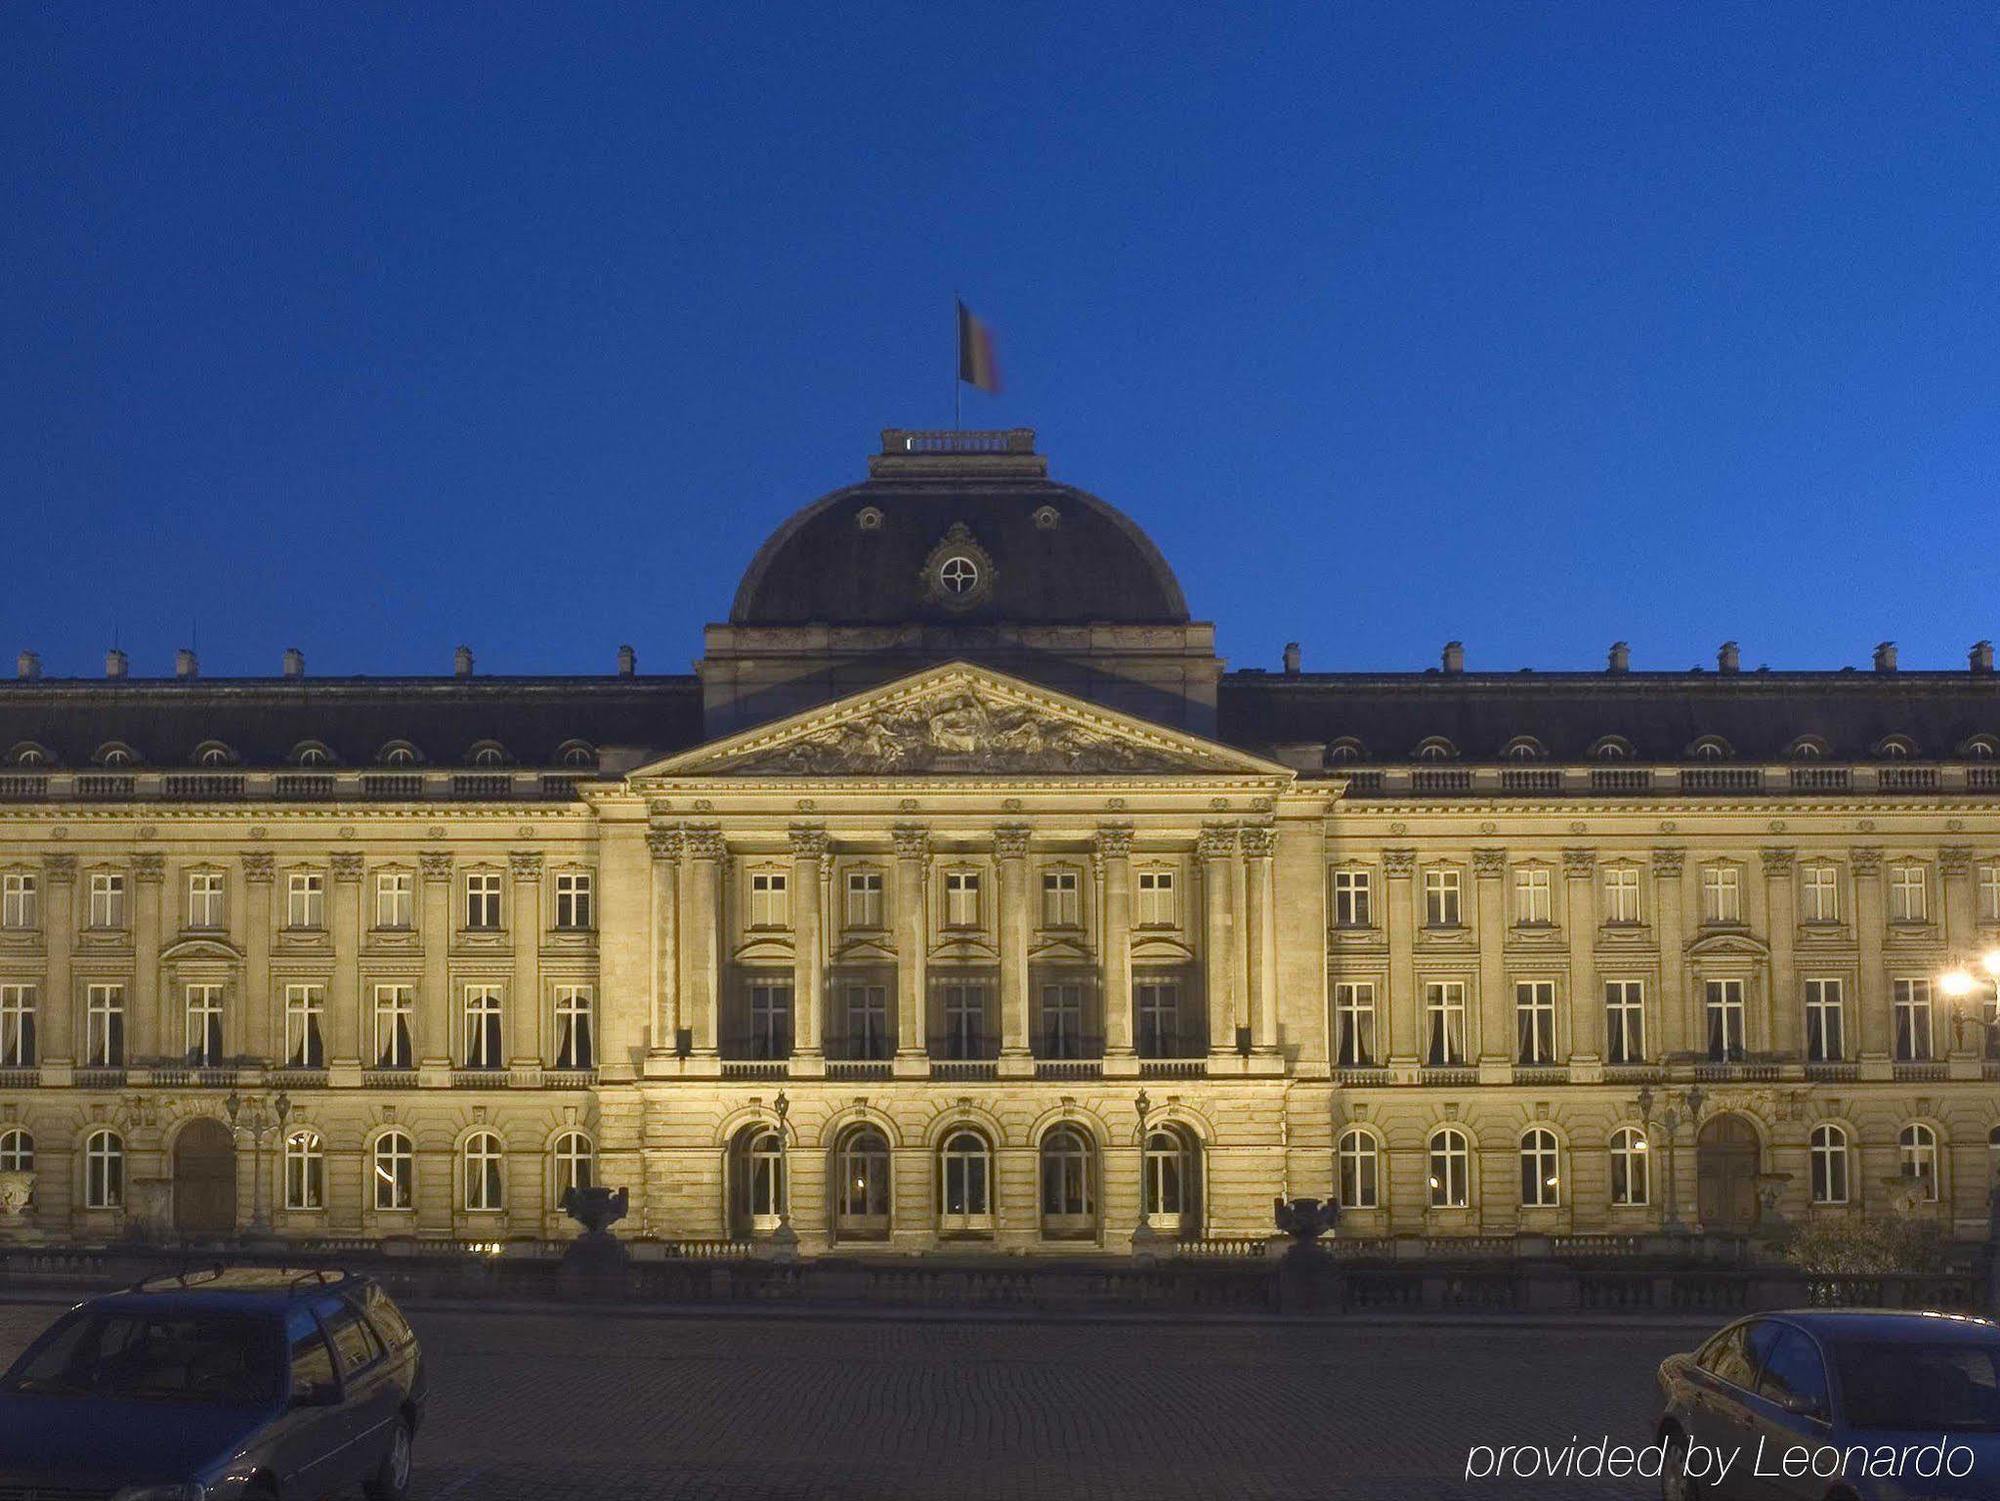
(1156, 899)
(305, 900)
(1535, 1021)
(204, 1026)
(1353, 899)
(573, 900)
(1822, 894)
(482, 899)
(1157, 1007)
(770, 1020)
(1826, 1028)
(1534, 896)
(1723, 1003)
(19, 904)
(104, 1026)
(867, 1009)
(1625, 1021)
(395, 1005)
(1621, 894)
(484, 1047)
(1913, 1020)
(1354, 1024)
(1062, 899)
(395, 899)
(770, 901)
(305, 1009)
(1444, 1023)
(1443, 899)
(1062, 1021)
(963, 1009)
(204, 898)
(107, 899)
(864, 899)
(961, 898)
(1721, 894)
(1909, 896)
(17, 1026)
(576, 1041)
(1989, 893)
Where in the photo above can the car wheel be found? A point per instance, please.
(391, 1480)
(1675, 1482)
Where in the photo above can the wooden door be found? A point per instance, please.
(205, 1180)
(1726, 1174)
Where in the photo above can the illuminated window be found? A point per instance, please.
(1917, 1151)
(1354, 1024)
(485, 1179)
(1541, 1183)
(1630, 1178)
(395, 1171)
(1451, 1169)
(1913, 1020)
(305, 1008)
(305, 1171)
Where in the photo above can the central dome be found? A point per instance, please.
(962, 528)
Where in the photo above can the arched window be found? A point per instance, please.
(1451, 1169)
(1631, 1179)
(27, 753)
(861, 1188)
(576, 753)
(395, 1171)
(487, 754)
(214, 753)
(1345, 751)
(104, 1170)
(1896, 747)
(758, 1180)
(1541, 1176)
(1828, 1152)
(1918, 1150)
(574, 1163)
(305, 1171)
(1436, 748)
(1523, 748)
(485, 1182)
(1807, 748)
(1360, 1169)
(1173, 1178)
(17, 1151)
(1710, 748)
(397, 753)
(1069, 1184)
(311, 753)
(114, 754)
(1611, 748)
(1980, 748)
(966, 1177)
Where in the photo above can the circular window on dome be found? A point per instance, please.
(869, 519)
(958, 574)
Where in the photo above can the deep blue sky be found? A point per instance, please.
(372, 330)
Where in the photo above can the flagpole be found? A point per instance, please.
(957, 362)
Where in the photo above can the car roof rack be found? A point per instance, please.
(185, 1277)
(277, 1279)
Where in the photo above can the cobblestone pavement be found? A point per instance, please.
(549, 1406)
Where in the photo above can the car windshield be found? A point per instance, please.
(225, 1360)
(1930, 1388)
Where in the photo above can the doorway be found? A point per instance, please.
(205, 1180)
(1726, 1174)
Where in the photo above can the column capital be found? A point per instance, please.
(704, 841)
(436, 864)
(60, 869)
(913, 841)
(1668, 859)
(1399, 863)
(260, 867)
(1866, 859)
(1579, 864)
(1259, 840)
(1489, 862)
(1113, 841)
(1778, 860)
(1955, 859)
(149, 867)
(346, 866)
(1216, 842)
(665, 844)
(526, 865)
(1010, 841)
(809, 841)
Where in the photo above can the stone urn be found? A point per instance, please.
(1308, 1280)
(596, 1262)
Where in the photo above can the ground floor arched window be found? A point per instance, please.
(1451, 1169)
(965, 1184)
(1360, 1169)
(485, 1181)
(1631, 1178)
(1827, 1154)
(861, 1185)
(1917, 1153)
(104, 1170)
(574, 1164)
(1069, 1185)
(1541, 1171)
(17, 1151)
(1172, 1181)
(757, 1181)
(305, 1171)
(395, 1171)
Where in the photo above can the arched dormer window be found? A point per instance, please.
(115, 753)
(1980, 748)
(1806, 748)
(1345, 751)
(1523, 748)
(27, 753)
(399, 753)
(1435, 748)
(487, 754)
(1895, 748)
(214, 753)
(1710, 748)
(310, 753)
(576, 753)
(1611, 748)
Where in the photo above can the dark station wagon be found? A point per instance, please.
(238, 1382)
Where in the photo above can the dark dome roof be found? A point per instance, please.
(1040, 552)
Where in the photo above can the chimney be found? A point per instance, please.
(1291, 659)
(28, 665)
(1621, 658)
(628, 661)
(115, 664)
(185, 665)
(1885, 657)
(295, 662)
(1729, 659)
(1454, 656)
(461, 662)
(1982, 656)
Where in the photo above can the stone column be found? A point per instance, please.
(60, 1041)
(1781, 908)
(1669, 922)
(524, 1004)
(263, 1036)
(1586, 1002)
(809, 850)
(701, 936)
(1113, 854)
(1402, 1041)
(343, 1006)
(1261, 938)
(1010, 847)
(148, 877)
(1216, 851)
(1497, 1048)
(665, 969)
(1875, 1014)
(913, 856)
(434, 1019)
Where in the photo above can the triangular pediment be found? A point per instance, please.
(961, 720)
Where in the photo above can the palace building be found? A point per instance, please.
(962, 898)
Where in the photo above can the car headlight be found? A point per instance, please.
(189, 1491)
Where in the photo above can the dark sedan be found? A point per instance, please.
(238, 1383)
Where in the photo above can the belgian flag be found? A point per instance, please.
(976, 364)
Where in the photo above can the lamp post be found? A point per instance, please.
(253, 1122)
(784, 1239)
(1145, 1239)
(1686, 1106)
(1967, 986)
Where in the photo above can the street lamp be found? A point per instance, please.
(1145, 1239)
(1686, 1106)
(254, 1123)
(1961, 984)
(784, 1239)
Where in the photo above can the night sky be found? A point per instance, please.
(370, 331)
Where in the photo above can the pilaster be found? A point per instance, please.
(1877, 1022)
(664, 967)
(1670, 919)
(1010, 848)
(259, 1005)
(524, 1016)
(1403, 1046)
(1261, 942)
(1112, 852)
(1586, 1002)
(809, 852)
(1496, 1047)
(701, 939)
(343, 1006)
(61, 1046)
(1781, 907)
(434, 1021)
(148, 879)
(1216, 851)
(913, 938)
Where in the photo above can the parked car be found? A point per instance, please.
(241, 1382)
(1835, 1405)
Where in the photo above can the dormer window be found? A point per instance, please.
(1524, 748)
(1807, 748)
(311, 753)
(487, 754)
(29, 754)
(398, 753)
(1980, 748)
(1896, 748)
(214, 753)
(115, 754)
(1345, 751)
(1612, 748)
(576, 753)
(1437, 748)
(1710, 748)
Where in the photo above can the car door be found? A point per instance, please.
(1723, 1379)
(1791, 1408)
(306, 1440)
(371, 1397)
